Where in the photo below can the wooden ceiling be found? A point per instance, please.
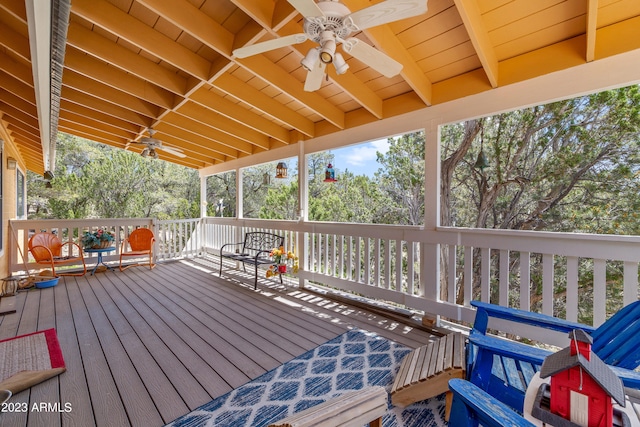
(134, 64)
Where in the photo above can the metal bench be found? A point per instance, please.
(426, 371)
(254, 250)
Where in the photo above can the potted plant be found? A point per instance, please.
(98, 239)
(281, 259)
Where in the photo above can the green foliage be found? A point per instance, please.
(570, 166)
(94, 180)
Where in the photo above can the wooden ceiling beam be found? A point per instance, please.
(105, 107)
(235, 112)
(386, 41)
(193, 145)
(67, 107)
(18, 88)
(97, 124)
(27, 138)
(121, 57)
(192, 20)
(28, 118)
(120, 23)
(591, 30)
(262, 12)
(15, 42)
(349, 83)
(209, 136)
(20, 104)
(88, 134)
(27, 132)
(99, 134)
(98, 70)
(109, 94)
(16, 69)
(223, 124)
(273, 74)
(266, 70)
(16, 8)
(472, 19)
(235, 87)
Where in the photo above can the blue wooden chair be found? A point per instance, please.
(503, 368)
(472, 407)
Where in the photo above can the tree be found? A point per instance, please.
(94, 180)
(401, 177)
(566, 166)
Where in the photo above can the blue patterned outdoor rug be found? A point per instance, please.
(351, 361)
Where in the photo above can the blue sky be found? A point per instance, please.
(360, 159)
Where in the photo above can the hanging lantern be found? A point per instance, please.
(266, 179)
(481, 162)
(329, 174)
(281, 170)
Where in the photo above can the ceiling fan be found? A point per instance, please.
(330, 23)
(153, 144)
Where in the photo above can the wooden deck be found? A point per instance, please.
(145, 347)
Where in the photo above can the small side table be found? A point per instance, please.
(100, 252)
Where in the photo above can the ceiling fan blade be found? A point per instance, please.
(254, 49)
(372, 57)
(307, 8)
(173, 150)
(314, 77)
(388, 11)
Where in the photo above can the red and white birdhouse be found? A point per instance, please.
(583, 387)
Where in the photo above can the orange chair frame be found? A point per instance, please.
(46, 248)
(140, 242)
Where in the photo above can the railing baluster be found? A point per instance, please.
(504, 278)
(525, 281)
(630, 282)
(451, 274)
(485, 274)
(398, 266)
(468, 275)
(548, 268)
(599, 291)
(571, 302)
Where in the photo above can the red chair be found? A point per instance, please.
(46, 248)
(140, 243)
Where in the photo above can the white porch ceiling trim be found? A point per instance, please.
(39, 21)
(608, 73)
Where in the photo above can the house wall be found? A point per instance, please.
(8, 197)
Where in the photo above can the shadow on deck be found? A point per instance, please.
(145, 347)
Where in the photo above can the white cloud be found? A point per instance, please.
(365, 154)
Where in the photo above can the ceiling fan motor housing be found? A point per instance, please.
(333, 20)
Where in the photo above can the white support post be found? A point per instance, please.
(303, 210)
(430, 263)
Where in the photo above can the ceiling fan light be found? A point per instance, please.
(153, 154)
(328, 49)
(311, 60)
(340, 64)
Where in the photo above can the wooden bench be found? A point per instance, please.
(426, 371)
(353, 409)
(254, 250)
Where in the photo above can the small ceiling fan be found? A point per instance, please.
(330, 23)
(153, 144)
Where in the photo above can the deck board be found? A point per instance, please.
(144, 347)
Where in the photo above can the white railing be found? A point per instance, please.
(178, 238)
(174, 239)
(456, 265)
(438, 271)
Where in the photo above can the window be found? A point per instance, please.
(20, 195)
